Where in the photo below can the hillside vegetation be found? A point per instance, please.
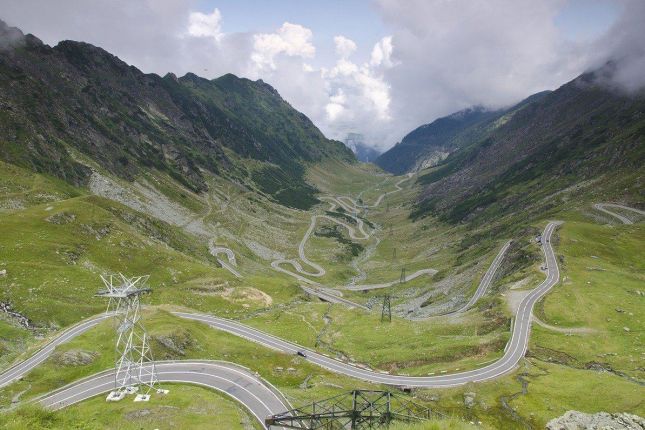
(105, 169)
(499, 163)
(79, 96)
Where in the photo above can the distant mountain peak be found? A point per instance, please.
(468, 111)
(86, 56)
(192, 77)
(268, 87)
(430, 143)
(362, 151)
(12, 37)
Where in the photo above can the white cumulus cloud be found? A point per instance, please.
(205, 25)
(335, 107)
(437, 56)
(382, 52)
(292, 40)
(366, 94)
(344, 47)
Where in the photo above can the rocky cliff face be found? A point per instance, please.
(78, 97)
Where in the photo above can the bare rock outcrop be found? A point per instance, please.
(574, 420)
(74, 357)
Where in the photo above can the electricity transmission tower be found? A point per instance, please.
(386, 312)
(134, 365)
(356, 410)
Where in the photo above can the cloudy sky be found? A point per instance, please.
(380, 67)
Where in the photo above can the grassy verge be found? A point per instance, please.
(186, 407)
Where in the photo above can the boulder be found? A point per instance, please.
(74, 357)
(61, 218)
(574, 420)
(175, 344)
(469, 399)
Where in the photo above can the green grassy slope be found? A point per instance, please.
(73, 251)
(188, 407)
(591, 362)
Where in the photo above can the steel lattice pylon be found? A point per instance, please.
(386, 312)
(134, 364)
(358, 409)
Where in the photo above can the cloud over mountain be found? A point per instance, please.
(435, 58)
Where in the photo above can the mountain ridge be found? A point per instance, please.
(583, 130)
(429, 144)
(79, 95)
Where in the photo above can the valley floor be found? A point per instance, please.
(57, 239)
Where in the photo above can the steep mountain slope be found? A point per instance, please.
(578, 133)
(76, 95)
(365, 153)
(429, 144)
(361, 150)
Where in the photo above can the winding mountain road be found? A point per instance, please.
(263, 400)
(368, 287)
(357, 206)
(230, 255)
(257, 396)
(603, 208)
(20, 369)
(335, 295)
(486, 280)
(319, 270)
(514, 351)
(332, 296)
(355, 233)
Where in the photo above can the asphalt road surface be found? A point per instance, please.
(333, 296)
(263, 400)
(486, 280)
(319, 270)
(235, 381)
(329, 296)
(603, 208)
(230, 255)
(24, 367)
(514, 352)
(351, 207)
(368, 287)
